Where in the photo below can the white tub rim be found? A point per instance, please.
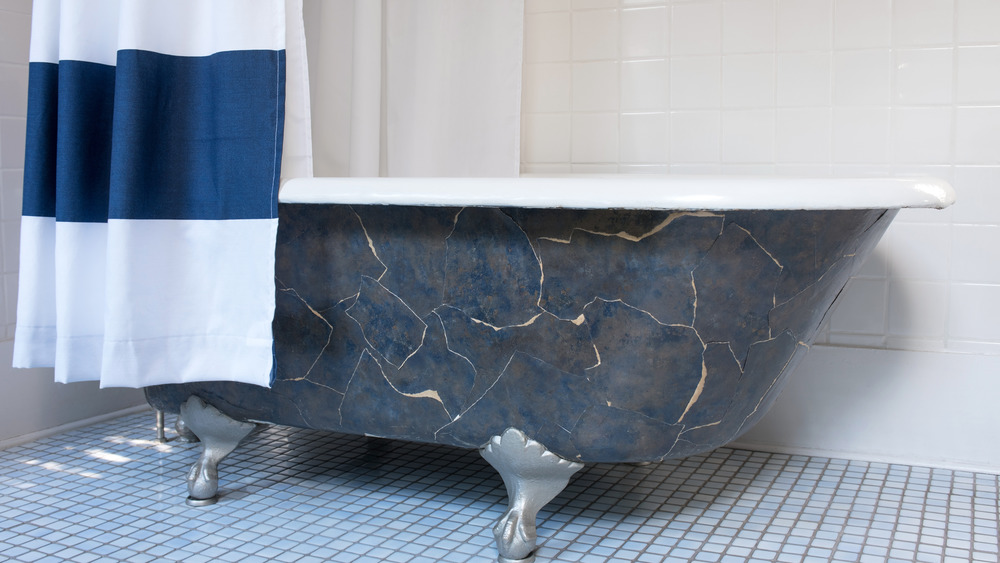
(628, 191)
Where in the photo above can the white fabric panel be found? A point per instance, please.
(219, 315)
(196, 28)
(44, 32)
(172, 27)
(403, 88)
(453, 77)
(35, 338)
(366, 90)
(80, 251)
(330, 37)
(296, 157)
(99, 44)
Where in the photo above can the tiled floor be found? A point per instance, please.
(110, 492)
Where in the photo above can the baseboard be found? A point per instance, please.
(930, 409)
(869, 457)
(25, 438)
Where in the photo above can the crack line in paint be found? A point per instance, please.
(329, 336)
(371, 244)
(423, 334)
(632, 238)
(529, 322)
(447, 344)
(698, 390)
(766, 393)
(484, 393)
(761, 246)
(538, 258)
(425, 394)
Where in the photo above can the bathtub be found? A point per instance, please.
(546, 321)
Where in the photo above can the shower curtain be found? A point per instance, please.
(158, 133)
(155, 133)
(415, 87)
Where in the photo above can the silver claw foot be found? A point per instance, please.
(533, 477)
(220, 436)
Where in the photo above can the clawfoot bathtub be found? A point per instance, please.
(547, 322)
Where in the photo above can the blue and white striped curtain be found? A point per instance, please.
(154, 149)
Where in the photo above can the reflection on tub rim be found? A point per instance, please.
(628, 191)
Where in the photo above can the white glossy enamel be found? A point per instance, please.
(627, 192)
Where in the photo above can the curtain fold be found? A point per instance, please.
(153, 161)
(403, 88)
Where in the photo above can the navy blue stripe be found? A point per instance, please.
(83, 147)
(197, 137)
(40, 141)
(155, 137)
(68, 141)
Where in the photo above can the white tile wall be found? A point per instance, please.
(15, 25)
(798, 87)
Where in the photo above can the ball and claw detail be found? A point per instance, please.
(533, 477)
(219, 435)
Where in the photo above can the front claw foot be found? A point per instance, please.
(514, 538)
(220, 435)
(533, 477)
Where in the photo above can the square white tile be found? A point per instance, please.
(645, 32)
(803, 79)
(696, 28)
(595, 35)
(804, 25)
(917, 23)
(748, 81)
(695, 137)
(645, 85)
(923, 76)
(595, 138)
(748, 26)
(695, 82)
(862, 24)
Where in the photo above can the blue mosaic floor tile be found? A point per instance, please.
(110, 492)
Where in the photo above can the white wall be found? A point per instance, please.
(811, 87)
(30, 403)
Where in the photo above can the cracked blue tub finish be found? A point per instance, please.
(606, 335)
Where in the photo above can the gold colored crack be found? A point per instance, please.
(622, 234)
(425, 394)
(329, 337)
(447, 345)
(371, 245)
(761, 246)
(697, 392)
(529, 322)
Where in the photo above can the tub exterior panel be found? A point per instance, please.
(606, 335)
